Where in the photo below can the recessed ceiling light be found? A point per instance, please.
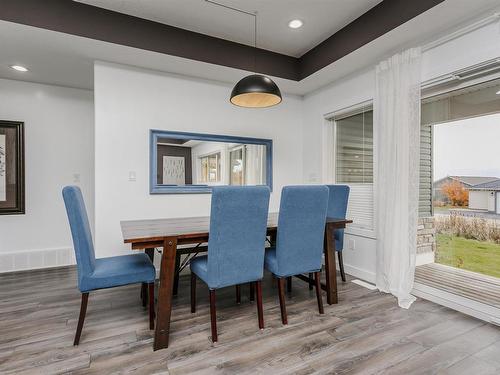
(295, 24)
(498, 92)
(19, 68)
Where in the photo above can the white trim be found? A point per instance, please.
(364, 284)
(463, 31)
(349, 111)
(476, 309)
(360, 273)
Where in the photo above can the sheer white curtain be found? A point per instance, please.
(397, 123)
(254, 164)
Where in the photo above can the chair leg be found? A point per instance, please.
(317, 282)
(213, 316)
(144, 295)
(193, 292)
(151, 299)
(341, 265)
(260, 310)
(289, 284)
(238, 294)
(310, 281)
(252, 292)
(81, 318)
(176, 274)
(281, 292)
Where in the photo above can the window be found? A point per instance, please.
(353, 162)
(237, 166)
(210, 168)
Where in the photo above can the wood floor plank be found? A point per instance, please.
(366, 333)
(446, 354)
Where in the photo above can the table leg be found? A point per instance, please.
(164, 309)
(330, 268)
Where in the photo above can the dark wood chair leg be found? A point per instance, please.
(144, 294)
(213, 316)
(341, 265)
(317, 282)
(144, 289)
(238, 294)
(193, 292)
(151, 299)
(311, 281)
(289, 284)
(81, 318)
(260, 310)
(281, 292)
(177, 274)
(252, 292)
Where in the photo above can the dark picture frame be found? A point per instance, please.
(12, 188)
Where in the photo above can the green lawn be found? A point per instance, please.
(472, 255)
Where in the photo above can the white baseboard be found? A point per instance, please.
(36, 259)
(476, 309)
(360, 273)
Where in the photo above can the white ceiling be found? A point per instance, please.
(321, 18)
(67, 60)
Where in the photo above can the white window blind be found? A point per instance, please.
(353, 154)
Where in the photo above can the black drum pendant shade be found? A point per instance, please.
(256, 91)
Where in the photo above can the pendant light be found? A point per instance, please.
(255, 90)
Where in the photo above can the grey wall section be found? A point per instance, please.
(185, 152)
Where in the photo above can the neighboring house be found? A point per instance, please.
(466, 181)
(485, 196)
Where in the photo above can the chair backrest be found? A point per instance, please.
(337, 208)
(80, 231)
(238, 226)
(301, 228)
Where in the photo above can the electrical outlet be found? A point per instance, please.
(351, 244)
(132, 176)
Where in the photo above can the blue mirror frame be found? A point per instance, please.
(154, 134)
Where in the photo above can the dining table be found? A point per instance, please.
(168, 234)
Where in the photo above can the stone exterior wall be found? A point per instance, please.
(426, 235)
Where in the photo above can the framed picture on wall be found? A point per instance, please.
(11, 167)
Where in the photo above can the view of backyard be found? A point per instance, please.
(466, 194)
(472, 255)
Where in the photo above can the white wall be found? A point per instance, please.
(130, 101)
(359, 87)
(58, 144)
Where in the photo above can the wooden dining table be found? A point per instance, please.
(170, 233)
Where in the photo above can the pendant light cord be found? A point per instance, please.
(254, 14)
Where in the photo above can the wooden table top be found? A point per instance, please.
(186, 227)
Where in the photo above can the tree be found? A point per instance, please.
(457, 194)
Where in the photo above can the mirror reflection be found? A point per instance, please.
(184, 162)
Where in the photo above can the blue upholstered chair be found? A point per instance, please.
(238, 225)
(337, 208)
(102, 273)
(300, 237)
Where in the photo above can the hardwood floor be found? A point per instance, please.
(366, 333)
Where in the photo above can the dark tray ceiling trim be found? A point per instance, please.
(101, 24)
(378, 21)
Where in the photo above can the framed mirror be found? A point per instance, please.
(193, 162)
